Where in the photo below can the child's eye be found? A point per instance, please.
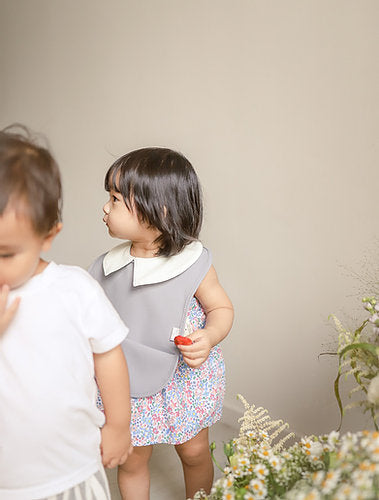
(114, 199)
(6, 255)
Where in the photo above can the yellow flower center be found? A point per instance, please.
(311, 496)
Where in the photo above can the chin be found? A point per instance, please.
(13, 286)
(112, 234)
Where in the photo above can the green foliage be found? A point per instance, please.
(358, 356)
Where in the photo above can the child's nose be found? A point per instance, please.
(106, 208)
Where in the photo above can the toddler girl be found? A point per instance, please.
(164, 286)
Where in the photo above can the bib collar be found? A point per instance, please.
(147, 271)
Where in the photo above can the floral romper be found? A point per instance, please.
(191, 400)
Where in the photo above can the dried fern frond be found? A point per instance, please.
(357, 388)
(356, 404)
(339, 326)
(258, 421)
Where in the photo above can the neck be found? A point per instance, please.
(42, 264)
(144, 250)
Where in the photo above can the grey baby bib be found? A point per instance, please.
(151, 312)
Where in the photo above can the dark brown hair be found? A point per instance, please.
(164, 189)
(29, 179)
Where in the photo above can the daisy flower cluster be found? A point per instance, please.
(327, 467)
(256, 471)
(351, 470)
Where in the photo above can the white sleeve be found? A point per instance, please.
(105, 329)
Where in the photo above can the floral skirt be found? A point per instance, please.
(191, 400)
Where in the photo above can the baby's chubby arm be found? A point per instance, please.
(6, 313)
(219, 312)
(113, 380)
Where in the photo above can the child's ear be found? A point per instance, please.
(46, 245)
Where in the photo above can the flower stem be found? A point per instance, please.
(212, 448)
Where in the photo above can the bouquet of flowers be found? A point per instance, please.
(326, 467)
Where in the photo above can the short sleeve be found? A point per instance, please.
(103, 325)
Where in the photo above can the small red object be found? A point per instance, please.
(180, 340)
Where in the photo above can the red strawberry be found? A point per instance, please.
(180, 340)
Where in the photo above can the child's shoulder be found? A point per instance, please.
(74, 276)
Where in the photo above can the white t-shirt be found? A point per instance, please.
(49, 423)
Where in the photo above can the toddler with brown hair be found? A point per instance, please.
(58, 332)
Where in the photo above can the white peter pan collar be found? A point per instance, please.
(154, 269)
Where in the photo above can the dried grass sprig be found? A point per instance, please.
(257, 420)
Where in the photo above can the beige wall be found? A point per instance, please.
(275, 103)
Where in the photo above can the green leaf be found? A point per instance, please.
(228, 449)
(373, 416)
(333, 459)
(240, 494)
(365, 347)
(338, 397)
(326, 460)
(358, 331)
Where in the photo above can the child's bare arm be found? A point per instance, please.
(113, 380)
(6, 313)
(219, 312)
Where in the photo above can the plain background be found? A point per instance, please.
(275, 104)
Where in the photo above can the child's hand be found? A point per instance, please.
(6, 313)
(196, 353)
(115, 445)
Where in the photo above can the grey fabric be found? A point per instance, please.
(94, 488)
(151, 312)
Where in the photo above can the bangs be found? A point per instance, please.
(112, 178)
(118, 179)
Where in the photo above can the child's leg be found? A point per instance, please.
(133, 476)
(197, 463)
